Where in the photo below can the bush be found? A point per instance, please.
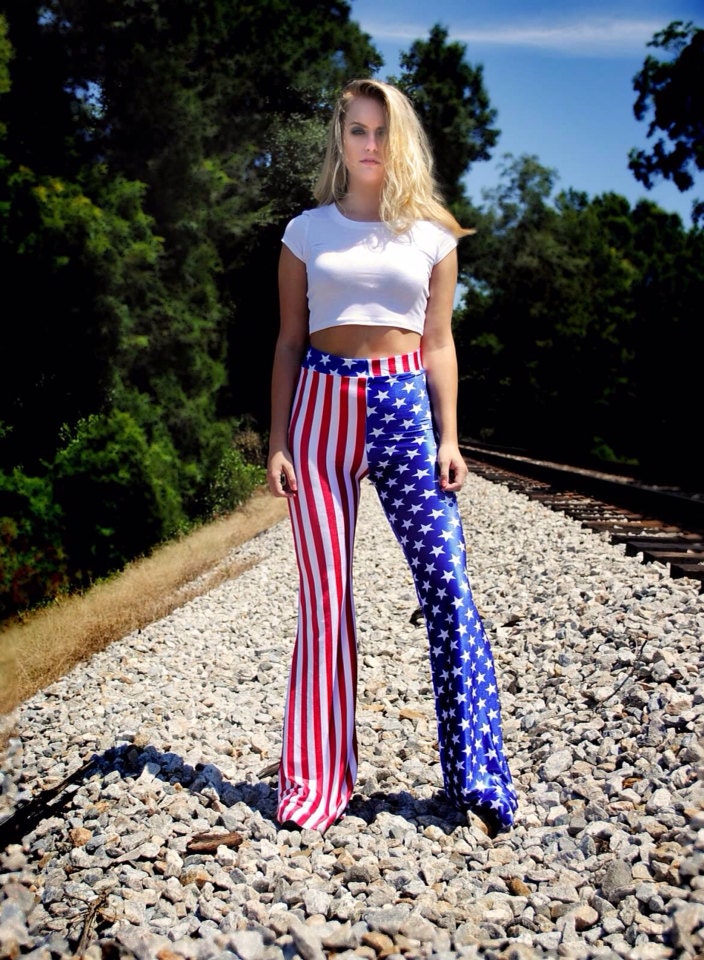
(235, 482)
(114, 493)
(33, 565)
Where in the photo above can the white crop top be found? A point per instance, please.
(362, 272)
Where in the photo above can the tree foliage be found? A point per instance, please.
(151, 153)
(576, 335)
(449, 94)
(671, 93)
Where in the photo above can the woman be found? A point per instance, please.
(364, 383)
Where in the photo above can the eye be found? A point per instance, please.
(356, 130)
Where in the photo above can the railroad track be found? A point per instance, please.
(660, 524)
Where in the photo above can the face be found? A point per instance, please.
(363, 141)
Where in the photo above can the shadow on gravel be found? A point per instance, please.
(207, 779)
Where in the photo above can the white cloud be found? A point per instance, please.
(598, 37)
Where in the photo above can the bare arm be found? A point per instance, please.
(440, 361)
(290, 344)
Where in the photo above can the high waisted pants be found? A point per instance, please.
(352, 418)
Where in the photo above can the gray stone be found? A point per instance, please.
(598, 660)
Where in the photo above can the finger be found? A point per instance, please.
(288, 482)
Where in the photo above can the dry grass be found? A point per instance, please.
(47, 644)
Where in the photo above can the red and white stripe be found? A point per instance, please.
(319, 752)
(388, 366)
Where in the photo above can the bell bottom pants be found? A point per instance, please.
(353, 418)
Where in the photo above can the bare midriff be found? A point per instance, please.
(359, 340)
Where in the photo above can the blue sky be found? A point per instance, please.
(558, 72)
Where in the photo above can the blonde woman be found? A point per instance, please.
(364, 383)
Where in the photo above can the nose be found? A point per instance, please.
(372, 141)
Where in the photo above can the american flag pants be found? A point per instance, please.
(353, 418)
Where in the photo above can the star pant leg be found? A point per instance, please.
(402, 454)
(319, 750)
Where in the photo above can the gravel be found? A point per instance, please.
(145, 775)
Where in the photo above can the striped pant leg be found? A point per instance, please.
(319, 751)
(403, 468)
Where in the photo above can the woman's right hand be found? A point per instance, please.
(280, 475)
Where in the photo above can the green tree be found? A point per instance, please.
(539, 313)
(33, 564)
(665, 371)
(60, 332)
(102, 475)
(150, 154)
(279, 82)
(5, 57)
(577, 334)
(450, 96)
(671, 92)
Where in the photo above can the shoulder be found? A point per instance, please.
(295, 235)
(306, 230)
(302, 222)
(434, 237)
(312, 215)
(434, 230)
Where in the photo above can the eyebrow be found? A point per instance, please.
(358, 123)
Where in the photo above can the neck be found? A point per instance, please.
(359, 205)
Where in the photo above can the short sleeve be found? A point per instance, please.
(296, 236)
(447, 241)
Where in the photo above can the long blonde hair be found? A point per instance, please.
(410, 191)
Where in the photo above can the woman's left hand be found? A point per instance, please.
(453, 469)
